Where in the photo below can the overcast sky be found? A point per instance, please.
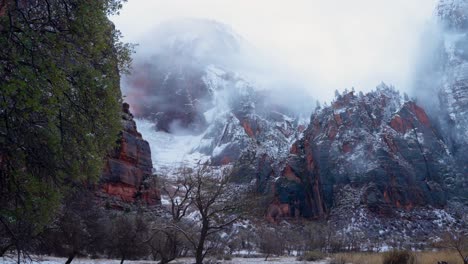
(334, 44)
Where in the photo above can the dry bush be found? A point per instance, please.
(398, 257)
(357, 258)
(456, 241)
(426, 257)
(448, 256)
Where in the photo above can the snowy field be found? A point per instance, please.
(53, 260)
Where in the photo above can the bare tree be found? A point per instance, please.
(179, 195)
(167, 242)
(270, 242)
(128, 237)
(297, 239)
(242, 240)
(457, 241)
(218, 203)
(315, 234)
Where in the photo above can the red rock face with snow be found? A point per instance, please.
(374, 143)
(127, 175)
(383, 155)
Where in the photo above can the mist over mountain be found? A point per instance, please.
(188, 46)
(442, 83)
(199, 84)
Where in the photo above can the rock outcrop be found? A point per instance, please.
(250, 133)
(385, 149)
(127, 175)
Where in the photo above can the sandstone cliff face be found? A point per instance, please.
(127, 175)
(385, 149)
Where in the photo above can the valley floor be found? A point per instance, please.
(54, 260)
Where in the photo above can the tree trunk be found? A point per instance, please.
(70, 258)
(123, 259)
(459, 250)
(266, 257)
(201, 243)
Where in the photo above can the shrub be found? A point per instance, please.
(398, 257)
(311, 256)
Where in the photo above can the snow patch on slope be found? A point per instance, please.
(168, 151)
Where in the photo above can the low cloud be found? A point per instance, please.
(327, 44)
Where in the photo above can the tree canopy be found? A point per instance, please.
(60, 65)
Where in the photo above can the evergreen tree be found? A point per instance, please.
(317, 105)
(59, 106)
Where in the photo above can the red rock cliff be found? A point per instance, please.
(385, 149)
(127, 175)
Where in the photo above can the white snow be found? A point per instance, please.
(170, 151)
(443, 218)
(450, 41)
(219, 149)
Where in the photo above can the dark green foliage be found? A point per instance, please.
(78, 228)
(59, 106)
(83, 229)
(398, 257)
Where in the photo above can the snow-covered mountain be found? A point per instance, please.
(375, 167)
(199, 94)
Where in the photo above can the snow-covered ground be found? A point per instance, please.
(54, 260)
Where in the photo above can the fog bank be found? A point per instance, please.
(330, 44)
